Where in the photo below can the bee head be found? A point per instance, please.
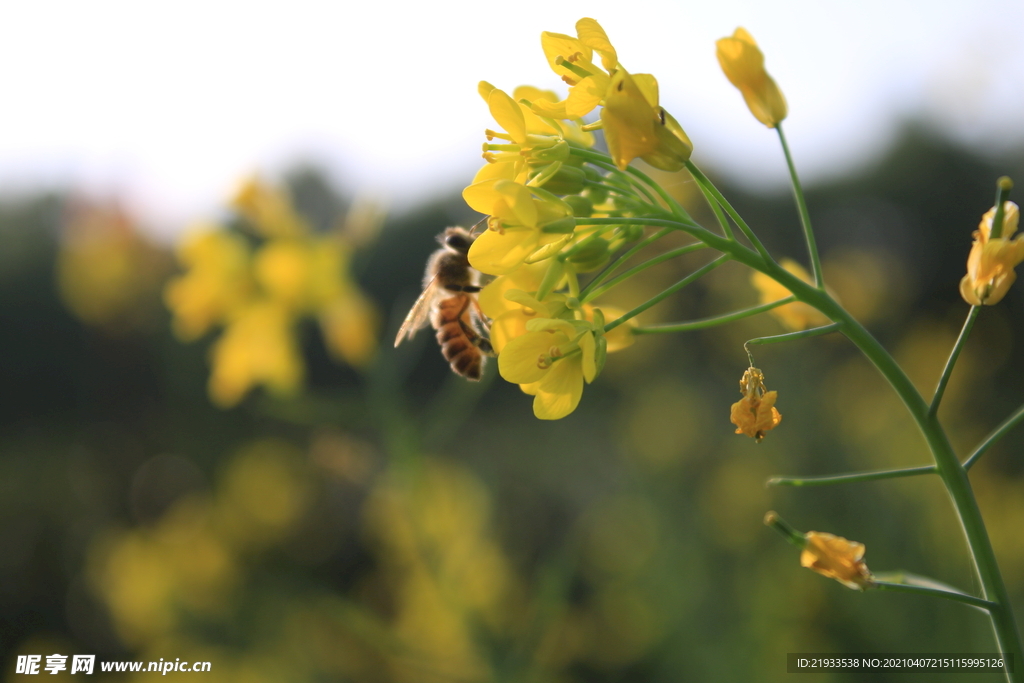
(456, 239)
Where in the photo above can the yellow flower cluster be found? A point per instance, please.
(537, 183)
(259, 294)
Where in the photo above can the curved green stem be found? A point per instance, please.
(956, 596)
(947, 465)
(712, 322)
(940, 389)
(606, 161)
(998, 433)
(604, 274)
(805, 216)
(851, 477)
(724, 203)
(660, 258)
(789, 336)
(657, 298)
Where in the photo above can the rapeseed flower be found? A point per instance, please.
(635, 125)
(551, 361)
(836, 558)
(522, 221)
(991, 263)
(755, 413)
(743, 64)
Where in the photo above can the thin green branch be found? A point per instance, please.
(956, 596)
(692, 277)
(712, 322)
(600, 277)
(998, 433)
(720, 198)
(716, 208)
(789, 336)
(851, 477)
(606, 162)
(947, 371)
(805, 216)
(660, 258)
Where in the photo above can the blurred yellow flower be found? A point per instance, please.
(836, 558)
(743, 64)
(269, 209)
(261, 294)
(755, 413)
(108, 274)
(991, 263)
(797, 315)
(257, 347)
(217, 281)
(635, 126)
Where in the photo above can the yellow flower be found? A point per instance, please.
(991, 263)
(269, 209)
(836, 558)
(522, 222)
(216, 284)
(635, 125)
(797, 315)
(743, 64)
(550, 361)
(257, 347)
(755, 413)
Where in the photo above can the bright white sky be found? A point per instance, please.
(168, 104)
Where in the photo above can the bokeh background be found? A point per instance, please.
(335, 509)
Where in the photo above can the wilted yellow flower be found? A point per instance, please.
(755, 413)
(836, 558)
(797, 315)
(743, 64)
(991, 263)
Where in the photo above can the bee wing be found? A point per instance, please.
(419, 314)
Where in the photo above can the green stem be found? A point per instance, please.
(956, 596)
(600, 277)
(716, 208)
(998, 433)
(948, 467)
(606, 161)
(692, 277)
(940, 389)
(712, 322)
(850, 478)
(805, 216)
(789, 336)
(723, 202)
(660, 258)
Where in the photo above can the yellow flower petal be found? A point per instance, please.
(508, 114)
(743, 64)
(592, 35)
(836, 558)
(522, 359)
(560, 391)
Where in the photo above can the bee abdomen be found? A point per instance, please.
(459, 350)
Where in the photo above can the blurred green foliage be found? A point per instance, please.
(400, 524)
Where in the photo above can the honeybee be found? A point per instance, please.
(449, 302)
